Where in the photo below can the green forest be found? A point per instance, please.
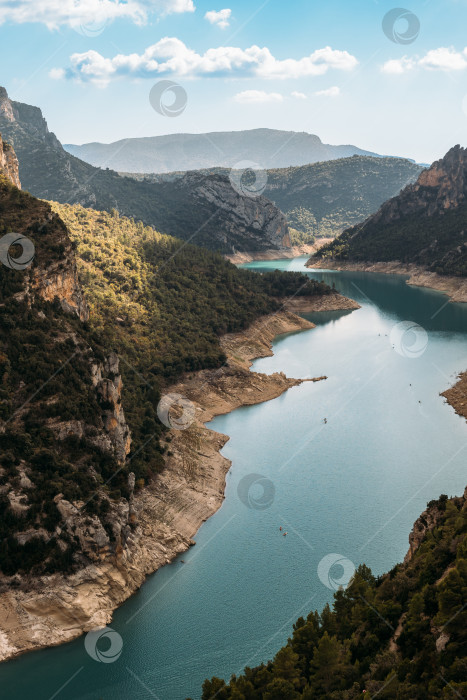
(438, 242)
(401, 636)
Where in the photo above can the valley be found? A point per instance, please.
(233, 368)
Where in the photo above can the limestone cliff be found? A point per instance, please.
(9, 163)
(245, 223)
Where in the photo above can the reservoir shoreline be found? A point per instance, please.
(56, 609)
(454, 287)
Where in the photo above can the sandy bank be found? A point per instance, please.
(55, 609)
(454, 287)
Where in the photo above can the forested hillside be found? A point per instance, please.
(402, 636)
(425, 224)
(75, 440)
(323, 199)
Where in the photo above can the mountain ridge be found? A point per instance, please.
(424, 225)
(269, 148)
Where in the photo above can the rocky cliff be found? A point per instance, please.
(201, 208)
(63, 432)
(9, 163)
(423, 225)
(247, 224)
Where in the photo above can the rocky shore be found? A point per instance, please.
(456, 396)
(454, 287)
(55, 609)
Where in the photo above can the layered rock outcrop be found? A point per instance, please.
(9, 163)
(244, 223)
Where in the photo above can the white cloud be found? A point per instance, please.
(299, 95)
(57, 73)
(171, 57)
(257, 97)
(446, 59)
(221, 18)
(329, 92)
(397, 66)
(75, 13)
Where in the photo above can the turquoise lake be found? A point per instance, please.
(348, 464)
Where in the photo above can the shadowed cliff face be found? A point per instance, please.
(202, 208)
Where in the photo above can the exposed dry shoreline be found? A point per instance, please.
(279, 253)
(454, 287)
(56, 609)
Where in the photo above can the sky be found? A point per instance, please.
(364, 72)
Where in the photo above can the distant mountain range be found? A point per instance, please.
(268, 148)
(425, 224)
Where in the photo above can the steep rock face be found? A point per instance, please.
(244, 223)
(198, 208)
(108, 384)
(9, 163)
(62, 412)
(442, 186)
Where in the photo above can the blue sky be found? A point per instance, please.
(323, 67)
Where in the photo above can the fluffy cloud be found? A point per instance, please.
(446, 59)
(257, 97)
(221, 18)
(299, 95)
(171, 57)
(75, 13)
(329, 92)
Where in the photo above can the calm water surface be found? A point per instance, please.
(352, 485)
